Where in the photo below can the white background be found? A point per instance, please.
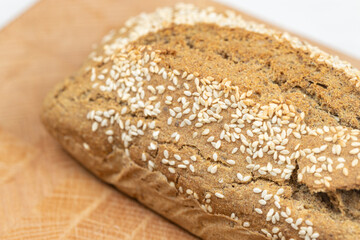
(335, 23)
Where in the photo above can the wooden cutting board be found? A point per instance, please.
(44, 194)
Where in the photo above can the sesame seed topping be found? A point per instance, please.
(94, 126)
(262, 202)
(219, 195)
(218, 144)
(86, 146)
(308, 222)
(280, 191)
(231, 162)
(213, 169)
(354, 151)
(257, 190)
(354, 162)
(246, 224)
(298, 221)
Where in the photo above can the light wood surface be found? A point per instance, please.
(44, 194)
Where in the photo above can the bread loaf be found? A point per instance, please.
(227, 128)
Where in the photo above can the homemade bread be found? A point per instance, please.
(230, 129)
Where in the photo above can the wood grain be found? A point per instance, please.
(44, 194)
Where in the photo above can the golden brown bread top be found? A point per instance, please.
(235, 118)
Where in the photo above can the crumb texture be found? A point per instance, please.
(225, 127)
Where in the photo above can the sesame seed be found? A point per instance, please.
(152, 125)
(187, 93)
(153, 146)
(190, 77)
(246, 224)
(213, 169)
(288, 211)
(219, 195)
(186, 162)
(340, 166)
(231, 162)
(315, 235)
(275, 230)
(151, 164)
(258, 210)
(171, 170)
(210, 139)
(198, 125)
(109, 132)
(166, 154)
(298, 221)
(308, 222)
(86, 146)
(218, 144)
(267, 197)
(257, 190)
(294, 226)
(270, 213)
(354, 162)
(247, 178)
(354, 151)
(280, 191)
(297, 135)
(249, 133)
(264, 193)
(94, 126)
(310, 231)
(206, 132)
(262, 202)
(289, 220)
(156, 134)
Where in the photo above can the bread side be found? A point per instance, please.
(230, 132)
